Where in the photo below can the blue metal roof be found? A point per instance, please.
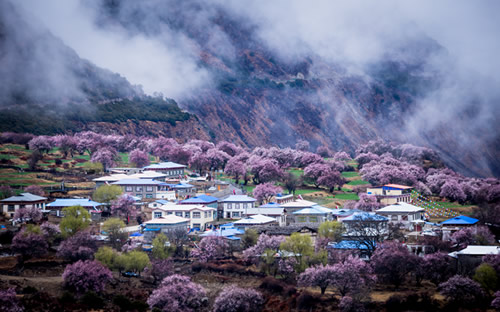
(365, 216)
(270, 205)
(64, 202)
(348, 244)
(200, 199)
(461, 220)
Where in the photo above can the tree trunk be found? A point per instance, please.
(323, 289)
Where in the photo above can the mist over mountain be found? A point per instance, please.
(261, 73)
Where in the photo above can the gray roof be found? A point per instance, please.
(26, 197)
(165, 165)
(286, 230)
(138, 182)
(238, 199)
(68, 202)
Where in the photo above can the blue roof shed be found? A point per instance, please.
(460, 220)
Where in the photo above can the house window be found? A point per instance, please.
(169, 212)
(138, 195)
(22, 206)
(196, 225)
(196, 215)
(301, 219)
(149, 188)
(187, 214)
(229, 206)
(149, 195)
(157, 214)
(11, 208)
(178, 213)
(206, 214)
(129, 189)
(313, 219)
(245, 206)
(138, 188)
(236, 214)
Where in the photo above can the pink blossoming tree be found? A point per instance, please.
(177, 293)
(233, 298)
(84, 276)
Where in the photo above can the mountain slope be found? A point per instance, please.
(45, 88)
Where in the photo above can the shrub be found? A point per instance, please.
(92, 300)
(210, 248)
(29, 243)
(84, 276)
(236, 299)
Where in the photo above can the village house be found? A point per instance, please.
(469, 258)
(350, 247)
(169, 168)
(157, 203)
(227, 231)
(365, 224)
(164, 224)
(341, 214)
(145, 188)
(406, 214)
(91, 206)
(24, 200)
(390, 194)
(315, 214)
(200, 217)
(235, 206)
(273, 210)
(296, 205)
(448, 227)
(182, 190)
(283, 199)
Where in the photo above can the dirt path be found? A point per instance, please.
(49, 284)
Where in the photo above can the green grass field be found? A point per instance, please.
(304, 191)
(358, 182)
(347, 196)
(350, 174)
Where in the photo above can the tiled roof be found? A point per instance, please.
(137, 182)
(313, 210)
(401, 207)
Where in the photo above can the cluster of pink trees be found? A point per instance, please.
(80, 246)
(350, 277)
(380, 163)
(233, 298)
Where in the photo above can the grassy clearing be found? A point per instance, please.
(347, 196)
(7, 156)
(350, 174)
(304, 191)
(358, 182)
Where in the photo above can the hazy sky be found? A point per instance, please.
(350, 31)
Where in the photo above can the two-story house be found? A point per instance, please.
(59, 204)
(391, 193)
(403, 213)
(24, 200)
(169, 168)
(145, 188)
(199, 216)
(235, 206)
